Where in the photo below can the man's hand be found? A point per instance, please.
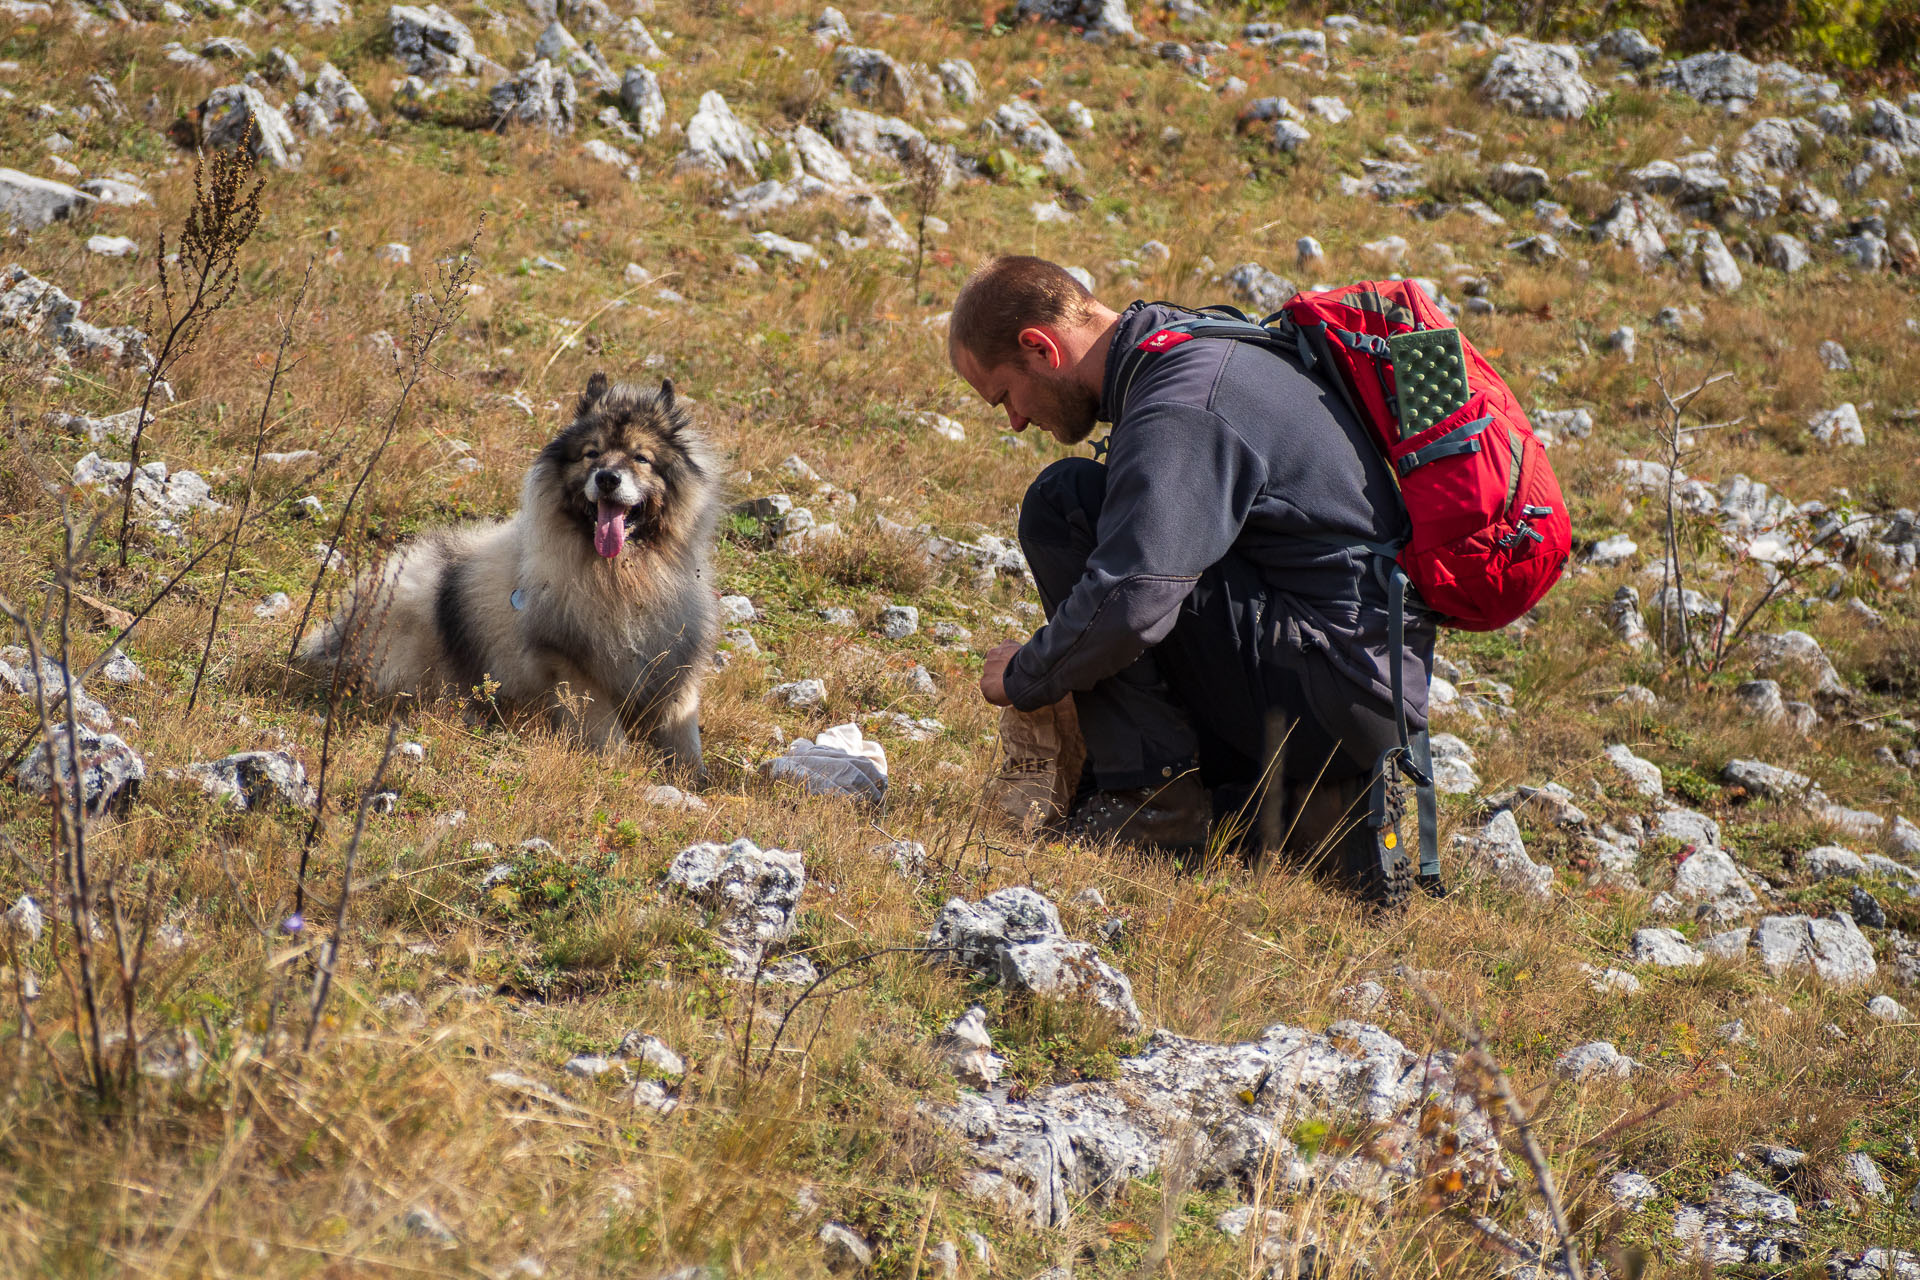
(993, 673)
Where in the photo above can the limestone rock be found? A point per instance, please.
(877, 79)
(1628, 45)
(1098, 20)
(1067, 1144)
(1787, 253)
(30, 203)
(1839, 425)
(1499, 848)
(753, 892)
(239, 115)
(640, 95)
(1259, 288)
(255, 779)
(1708, 876)
(1741, 1222)
(1665, 949)
(110, 771)
(1641, 775)
(1539, 80)
(1713, 77)
(1769, 782)
(969, 1050)
(1020, 123)
(431, 42)
(717, 140)
(541, 96)
(1832, 947)
(1596, 1061)
(1015, 934)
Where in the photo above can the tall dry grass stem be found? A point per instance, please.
(253, 474)
(429, 318)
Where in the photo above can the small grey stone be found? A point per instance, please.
(800, 693)
(898, 621)
(1887, 1009)
(844, 1248)
(1596, 1061)
(1665, 948)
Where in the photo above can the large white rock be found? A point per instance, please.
(1596, 1061)
(1642, 775)
(1665, 949)
(1838, 425)
(1096, 19)
(1831, 947)
(541, 96)
(31, 203)
(1709, 876)
(1066, 1147)
(431, 41)
(1021, 123)
(640, 94)
(238, 115)
(717, 140)
(1499, 848)
(110, 771)
(1539, 80)
(754, 893)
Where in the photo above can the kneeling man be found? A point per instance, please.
(1210, 605)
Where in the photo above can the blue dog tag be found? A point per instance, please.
(519, 598)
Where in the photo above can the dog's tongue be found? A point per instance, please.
(610, 529)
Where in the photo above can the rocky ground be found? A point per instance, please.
(468, 1001)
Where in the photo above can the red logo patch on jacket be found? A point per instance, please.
(1164, 339)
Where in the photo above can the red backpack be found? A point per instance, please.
(1490, 532)
(1488, 527)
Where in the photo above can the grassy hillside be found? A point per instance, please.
(424, 1121)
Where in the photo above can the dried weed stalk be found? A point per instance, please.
(225, 214)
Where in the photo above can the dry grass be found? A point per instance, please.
(267, 1161)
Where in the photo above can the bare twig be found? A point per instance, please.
(323, 981)
(429, 320)
(253, 472)
(1529, 1148)
(826, 975)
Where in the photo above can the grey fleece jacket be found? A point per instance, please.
(1222, 448)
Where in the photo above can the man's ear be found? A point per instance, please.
(1044, 344)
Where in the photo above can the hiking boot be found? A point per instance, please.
(1337, 830)
(1172, 818)
(1432, 885)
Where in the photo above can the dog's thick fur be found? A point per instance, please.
(555, 611)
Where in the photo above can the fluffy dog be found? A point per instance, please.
(592, 604)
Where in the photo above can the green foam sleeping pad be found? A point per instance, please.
(1429, 377)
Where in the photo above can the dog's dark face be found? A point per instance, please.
(628, 466)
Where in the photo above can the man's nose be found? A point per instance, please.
(1015, 421)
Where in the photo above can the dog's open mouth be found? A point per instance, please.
(610, 528)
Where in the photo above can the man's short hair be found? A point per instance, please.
(1008, 294)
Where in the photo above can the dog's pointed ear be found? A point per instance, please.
(596, 388)
(666, 394)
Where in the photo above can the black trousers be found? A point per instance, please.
(1220, 692)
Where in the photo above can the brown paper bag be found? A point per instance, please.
(1043, 754)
